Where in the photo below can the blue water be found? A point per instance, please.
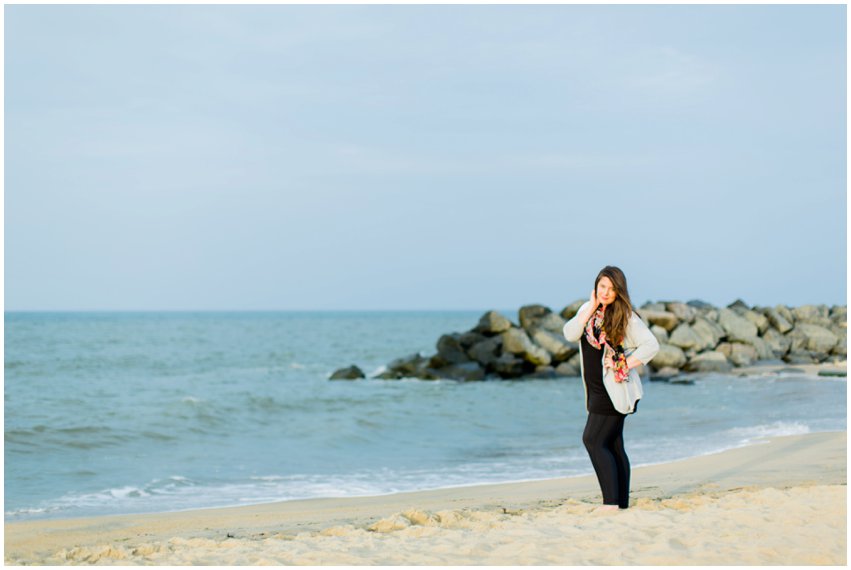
(109, 413)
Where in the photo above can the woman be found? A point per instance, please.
(613, 340)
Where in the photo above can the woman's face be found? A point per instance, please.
(605, 291)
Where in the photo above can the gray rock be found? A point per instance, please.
(709, 361)
(797, 340)
(349, 373)
(560, 349)
(492, 323)
(800, 357)
(467, 371)
(710, 332)
(841, 348)
(738, 304)
(710, 314)
(814, 314)
(567, 369)
(758, 319)
(658, 307)
(531, 315)
(450, 350)
(471, 338)
(684, 337)
(742, 354)
(509, 366)
(762, 347)
(570, 311)
(516, 341)
(669, 356)
(406, 367)
(660, 333)
(664, 374)
(553, 323)
(543, 372)
(736, 327)
(778, 343)
(486, 352)
(698, 304)
(664, 319)
(819, 339)
(683, 312)
(777, 320)
(784, 312)
(839, 315)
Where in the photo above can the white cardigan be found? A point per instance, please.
(638, 342)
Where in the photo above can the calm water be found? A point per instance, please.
(110, 413)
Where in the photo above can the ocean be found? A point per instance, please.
(116, 413)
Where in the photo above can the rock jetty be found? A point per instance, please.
(694, 337)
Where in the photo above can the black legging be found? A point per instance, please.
(603, 438)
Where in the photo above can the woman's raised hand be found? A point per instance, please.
(593, 300)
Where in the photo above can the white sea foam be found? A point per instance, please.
(779, 428)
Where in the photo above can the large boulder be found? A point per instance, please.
(684, 337)
(800, 357)
(819, 339)
(839, 315)
(664, 319)
(567, 369)
(738, 353)
(709, 361)
(570, 311)
(698, 304)
(486, 351)
(709, 331)
(405, 367)
(470, 338)
(841, 347)
(683, 312)
(813, 314)
(736, 327)
(660, 333)
(492, 323)
(348, 373)
(559, 348)
(786, 313)
(467, 371)
(759, 320)
(449, 351)
(763, 349)
(516, 341)
(509, 366)
(778, 343)
(531, 315)
(777, 320)
(669, 356)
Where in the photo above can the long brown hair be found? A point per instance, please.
(618, 313)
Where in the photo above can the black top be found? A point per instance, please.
(599, 401)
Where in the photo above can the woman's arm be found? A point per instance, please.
(574, 328)
(647, 345)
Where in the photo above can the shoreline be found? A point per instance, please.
(809, 461)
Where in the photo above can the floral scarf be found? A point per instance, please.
(596, 337)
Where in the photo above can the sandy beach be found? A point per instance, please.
(781, 501)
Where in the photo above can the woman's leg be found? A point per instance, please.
(600, 431)
(622, 462)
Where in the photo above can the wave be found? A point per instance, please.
(749, 434)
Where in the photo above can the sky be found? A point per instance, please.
(388, 157)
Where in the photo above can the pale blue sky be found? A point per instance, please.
(422, 157)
